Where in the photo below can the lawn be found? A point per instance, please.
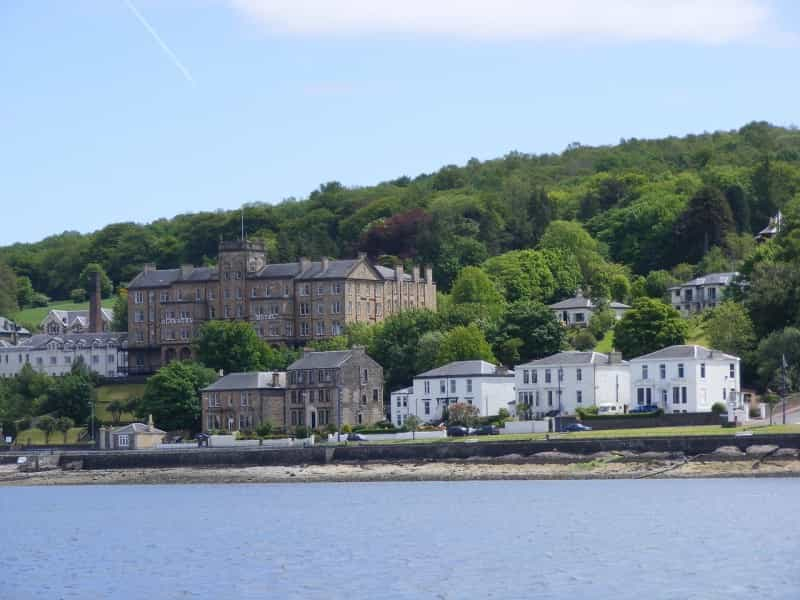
(606, 344)
(36, 437)
(123, 392)
(35, 315)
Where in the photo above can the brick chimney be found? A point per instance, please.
(95, 307)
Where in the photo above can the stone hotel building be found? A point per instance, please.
(287, 304)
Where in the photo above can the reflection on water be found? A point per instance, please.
(703, 539)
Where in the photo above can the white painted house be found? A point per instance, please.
(104, 353)
(561, 383)
(682, 379)
(577, 311)
(474, 382)
(700, 293)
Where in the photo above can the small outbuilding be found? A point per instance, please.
(134, 436)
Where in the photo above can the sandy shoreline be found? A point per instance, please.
(597, 468)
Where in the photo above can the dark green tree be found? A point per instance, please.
(531, 329)
(231, 346)
(86, 280)
(705, 223)
(464, 343)
(172, 395)
(649, 326)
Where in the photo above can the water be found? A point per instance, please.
(703, 539)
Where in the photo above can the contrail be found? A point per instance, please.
(170, 54)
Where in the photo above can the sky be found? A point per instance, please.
(134, 110)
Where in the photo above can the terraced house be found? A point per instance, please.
(287, 304)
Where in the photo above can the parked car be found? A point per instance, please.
(457, 431)
(355, 437)
(577, 427)
(487, 430)
(644, 408)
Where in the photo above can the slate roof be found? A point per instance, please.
(699, 352)
(137, 428)
(40, 340)
(165, 277)
(388, 273)
(321, 360)
(709, 279)
(337, 269)
(7, 327)
(405, 390)
(571, 358)
(465, 368)
(246, 381)
(69, 317)
(583, 302)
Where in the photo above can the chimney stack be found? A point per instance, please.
(325, 263)
(149, 267)
(614, 358)
(429, 275)
(305, 264)
(95, 307)
(398, 273)
(415, 273)
(186, 271)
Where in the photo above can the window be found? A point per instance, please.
(364, 375)
(644, 371)
(123, 441)
(320, 329)
(442, 386)
(375, 395)
(549, 397)
(304, 329)
(579, 317)
(547, 375)
(662, 371)
(676, 395)
(579, 396)
(164, 297)
(138, 316)
(243, 398)
(680, 370)
(732, 370)
(337, 288)
(427, 387)
(534, 376)
(452, 386)
(427, 407)
(138, 298)
(703, 370)
(305, 308)
(469, 386)
(320, 308)
(683, 395)
(664, 397)
(525, 376)
(579, 375)
(305, 289)
(198, 294)
(52, 360)
(336, 308)
(639, 396)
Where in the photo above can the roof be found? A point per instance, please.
(247, 381)
(580, 301)
(165, 277)
(465, 368)
(137, 428)
(405, 390)
(336, 269)
(699, 352)
(709, 279)
(69, 317)
(322, 360)
(8, 326)
(572, 358)
(389, 274)
(41, 340)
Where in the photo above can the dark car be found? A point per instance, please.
(577, 427)
(355, 437)
(644, 408)
(457, 431)
(486, 430)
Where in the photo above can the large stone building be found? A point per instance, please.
(244, 401)
(332, 388)
(287, 304)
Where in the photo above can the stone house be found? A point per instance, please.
(561, 383)
(134, 436)
(244, 401)
(334, 388)
(286, 304)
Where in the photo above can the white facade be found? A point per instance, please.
(700, 293)
(474, 382)
(578, 311)
(105, 354)
(562, 383)
(685, 379)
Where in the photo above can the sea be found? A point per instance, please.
(683, 539)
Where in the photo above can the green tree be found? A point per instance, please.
(657, 284)
(71, 395)
(232, 346)
(705, 223)
(8, 290)
(474, 287)
(602, 321)
(649, 326)
(521, 274)
(428, 351)
(120, 322)
(48, 425)
(24, 291)
(86, 280)
(464, 343)
(730, 329)
(64, 424)
(172, 395)
(78, 295)
(536, 328)
(583, 340)
(116, 407)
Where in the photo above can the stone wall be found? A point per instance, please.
(639, 421)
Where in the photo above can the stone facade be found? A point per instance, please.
(287, 304)
(332, 388)
(244, 401)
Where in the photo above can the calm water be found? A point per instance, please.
(701, 539)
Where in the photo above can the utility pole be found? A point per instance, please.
(784, 389)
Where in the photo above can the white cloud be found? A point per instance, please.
(699, 21)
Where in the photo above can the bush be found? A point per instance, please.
(39, 300)
(589, 411)
(264, 429)
(719, 408)
(330, 428)
(583, 340)
(301, 432)
(346, 428)
(755, 412)
(77, 295)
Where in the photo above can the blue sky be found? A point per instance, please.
(196, 105)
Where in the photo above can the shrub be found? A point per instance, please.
(330, 428)
(264, 429)
(583, 340)
(39, 300)
(301, 432)
(755, 412)
(346, 428)
(718, 408)
(77, 295)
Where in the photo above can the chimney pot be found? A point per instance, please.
(304, 263)
(325, 263)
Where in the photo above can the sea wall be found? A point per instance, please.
(210, 457)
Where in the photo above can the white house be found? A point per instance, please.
(683, 379)
(577, 311)
(11, 332)
(561, 383)
(60, 322)
(104, 353)
(700, 293)
(474, 382)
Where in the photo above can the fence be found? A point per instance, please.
(392, 437)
